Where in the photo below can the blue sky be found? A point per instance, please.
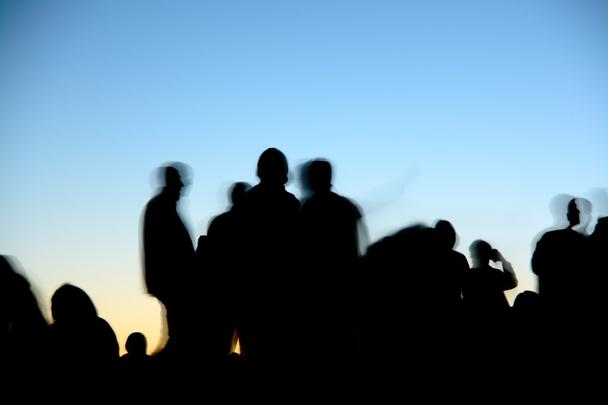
(479, 112)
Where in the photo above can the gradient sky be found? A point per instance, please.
(479, 112)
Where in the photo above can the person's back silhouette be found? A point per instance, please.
(269, 312)
(168, 255)
(136, 368)
(559, 260)
(24, 331)
(331, 226)
(84, 347)
(487, 313)
(451, 276)
(220, 261)
(483, 293)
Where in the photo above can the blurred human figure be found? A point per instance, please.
(483, 293)
(407, 299)
(333, 223)
(24, 331)
(450, 269)
(137, 372)
(559, 261)
(136, 346)
(331, 229)
(84, 347)
(169, 256)
(220, 260)
(584, 209)
(488, 328)
(271, 291)
(455, 267)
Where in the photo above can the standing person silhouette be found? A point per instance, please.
(559, 261)
(487, 311)
(332, 225)
(168, 255)
(483, 292)
(24, 330)
(84, 348)
(219, 259)
(222, 265)
(269, 314)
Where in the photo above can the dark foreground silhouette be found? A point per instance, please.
(319, 317)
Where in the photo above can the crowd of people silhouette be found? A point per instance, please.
(316, 314)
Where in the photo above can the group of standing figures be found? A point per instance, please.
(277, 274)
(319, 319)
(312, 313)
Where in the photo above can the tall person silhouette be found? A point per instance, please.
(220, 262)
(331, 226)
(168, 255)
(270, 312)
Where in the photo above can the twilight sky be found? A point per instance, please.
(479, 112)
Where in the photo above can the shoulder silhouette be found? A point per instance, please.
(169, 258)
(84, 347)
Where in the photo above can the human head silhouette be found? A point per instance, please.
(71, 304)
(136, 344)
(481, 252)
(238, 191)
(446, 233)
(272, 167)
(173, 178)
(573, 214)
(319, 175)
(526, 301)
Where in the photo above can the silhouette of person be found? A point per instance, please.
(84, 347)
(24, 331)
(455, 268)
(136, 346)
(449, 269)
(219, 258)
(488, 315)
(559, 261)
(136, 367)
(407, 304)
(331, 226)
(169, 256)
(270, 313)
(483, 293)
(225, 245)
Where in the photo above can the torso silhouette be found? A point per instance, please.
(483, 292)
(168, 249)
(270, 285)
(84, 347)
(169, 264)
(558, 261)
(269, 314)
(330, 225)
